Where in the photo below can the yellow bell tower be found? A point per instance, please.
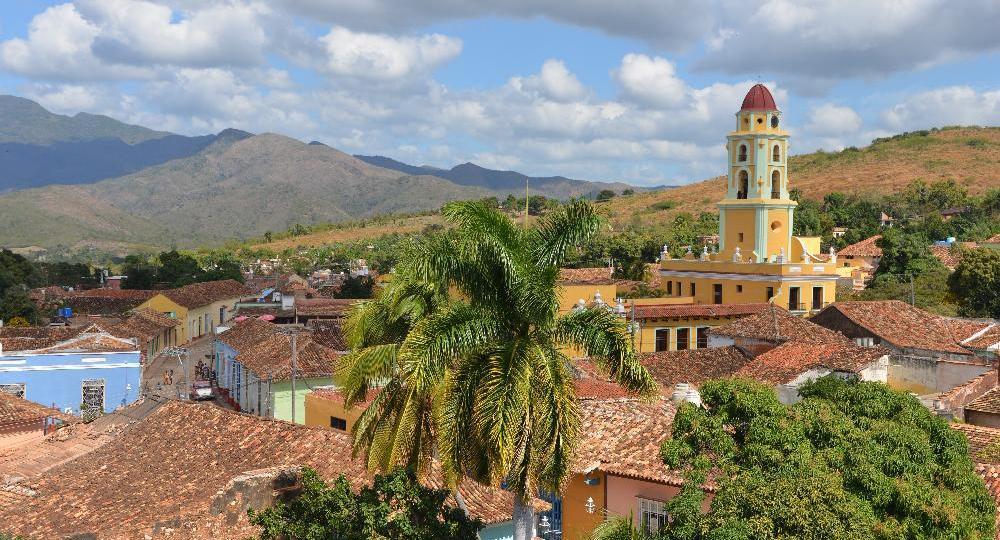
(756, 215)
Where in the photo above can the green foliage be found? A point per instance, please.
(663, 205)
(479, 379)
(356, 287)
(929, 291)
(851, 460)
(976, 282)
(395, 507)
(139, 273)
(177, 269)
(905, 254)
(605, 195)
(15, 304)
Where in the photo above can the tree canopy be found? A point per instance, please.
(851, 460)
(394, 507)
(976, 282)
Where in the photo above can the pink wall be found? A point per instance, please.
(622, 494)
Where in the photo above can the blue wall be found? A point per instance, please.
(57, 378)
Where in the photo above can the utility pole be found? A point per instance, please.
(525, 202)
(913, 293)
(295, 357)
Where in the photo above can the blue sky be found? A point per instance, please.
(637, 90)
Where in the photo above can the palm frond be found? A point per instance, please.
(571, 225)
(557, 420)
(605, 338)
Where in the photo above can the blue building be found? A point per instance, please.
(83, 371)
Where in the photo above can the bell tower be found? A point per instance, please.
(756, 214)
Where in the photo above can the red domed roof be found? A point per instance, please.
(759, 98)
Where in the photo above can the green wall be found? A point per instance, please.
(282, 397)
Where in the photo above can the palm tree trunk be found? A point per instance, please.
(524, 518)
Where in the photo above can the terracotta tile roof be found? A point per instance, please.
(132, 294)
(693, 366)
(901, 325)
(592, 388)
(699, 311)
(103, 304)
(964, 329)
(986, 463)
(586, 276)
(16, 412)
(35, 337)
(202, 294)
(244, 334)
(787, 361)
(988, 402)
(980, 440)
(864, 248)
(951, 256)
(323, 307)
(173, 472)
(145, 324)
(328, 332)
(777, 325)
(989, 337)
(623, 437)
(272, 357)
(92, 338)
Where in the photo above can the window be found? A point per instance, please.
(717, 293)
(13, 389)
(670, 287)
(795, 298)
(662, 339)
(739, 237)
(817, 298)
(701, 337)
(679, 291)
(743, 152)
(739, 288)
(775, 185)
(338, 423)
(92, 398)
(776, 153)
(222, 314)
(692, 288)
(653, 516)
(774, 122)
(770, 293)
(683, 339)
(744, 185)
(865, 341)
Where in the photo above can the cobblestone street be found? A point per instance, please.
(182, 371)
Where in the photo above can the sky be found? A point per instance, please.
(641, 91)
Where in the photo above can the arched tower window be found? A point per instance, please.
(776, 154)
(744, 185)
(743, 152)
(775, 183)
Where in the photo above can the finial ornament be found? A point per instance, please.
(737, 256)
(833, 255)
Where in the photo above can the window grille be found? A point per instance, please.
(653, 516)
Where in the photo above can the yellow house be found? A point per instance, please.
(758, 259)
(677, 327)
(200, 306)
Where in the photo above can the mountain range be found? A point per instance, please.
(72, 183)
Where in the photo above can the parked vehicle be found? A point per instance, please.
(202, 390)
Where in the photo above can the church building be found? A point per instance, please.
(757, 258)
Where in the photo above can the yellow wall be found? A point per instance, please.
(320, 409)
(190, 328)
(162, 304)
(646, 338)
(777, 238)
(572, 293)
(577, 522)
(741, 291)
(739, 220)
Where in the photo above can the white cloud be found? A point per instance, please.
(555, 82)
(949, 106)
(832, 120)
(650, 81)
(383, 57)
(58, 47)
(141, 33)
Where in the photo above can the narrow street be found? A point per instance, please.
(167, 375)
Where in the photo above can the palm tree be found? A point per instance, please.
(468, 347)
